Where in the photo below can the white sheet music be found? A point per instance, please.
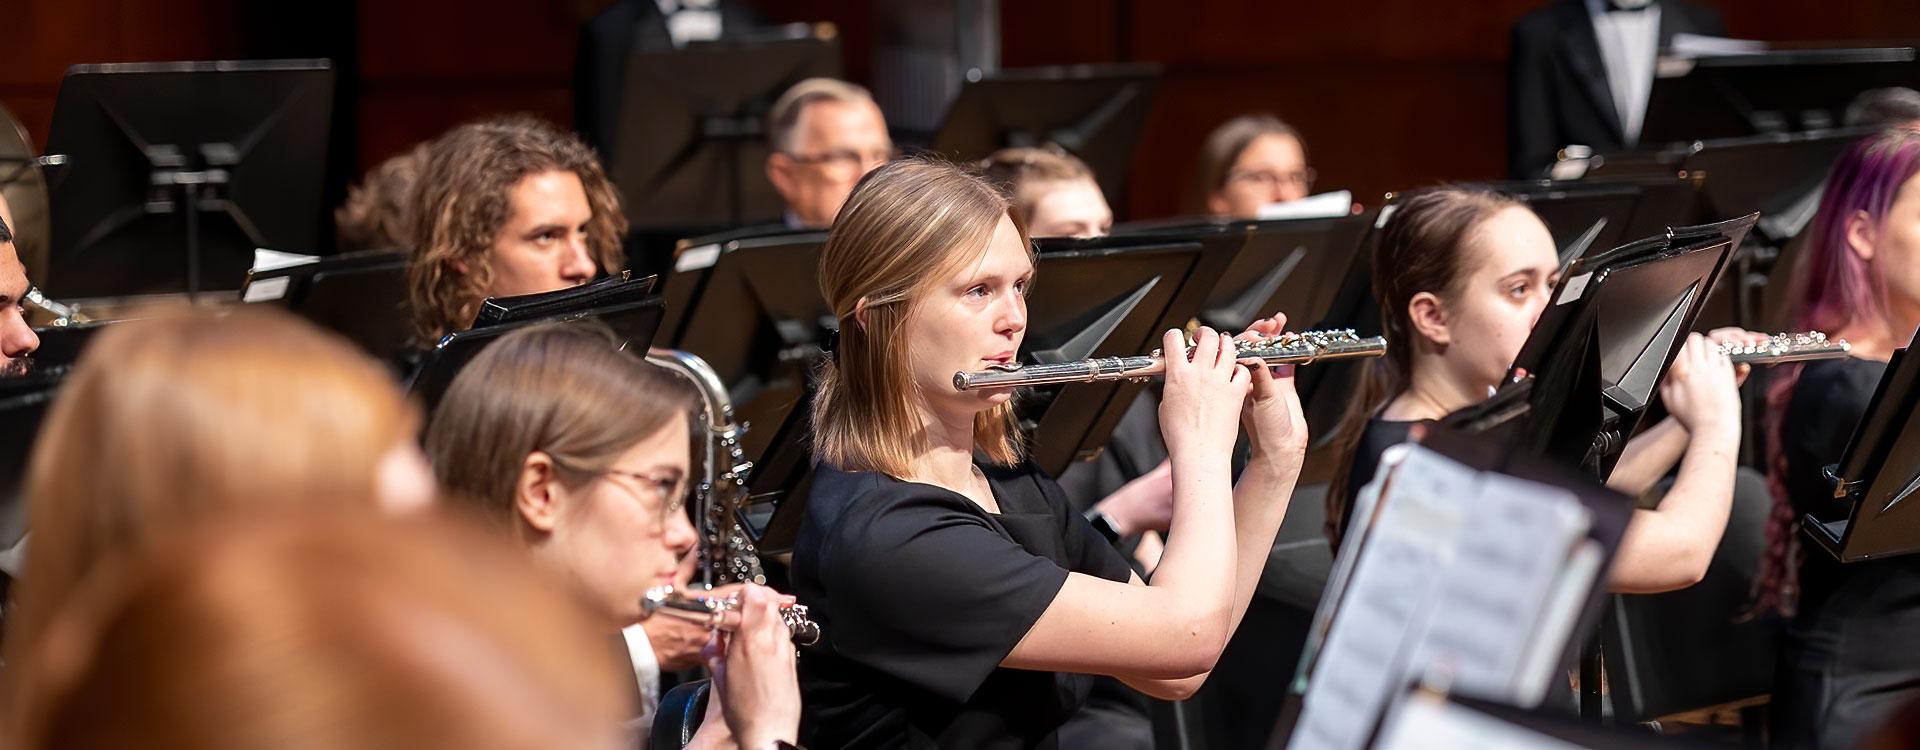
(1492, 598)
(1385, 601)
(1473, 574)
(1429, 723)
(1320, 206)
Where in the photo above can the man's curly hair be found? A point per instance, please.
(462, 201)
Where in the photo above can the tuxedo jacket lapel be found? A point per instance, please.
(1582, 52)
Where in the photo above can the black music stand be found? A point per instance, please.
(1777, 91)
(1290, 266)
(1879, 474)
(748, 306)
(1094, 112)
(361, 295)
(623, 307)
(1598, 352)
(1102, 297)
(175, 172)
(691, 146)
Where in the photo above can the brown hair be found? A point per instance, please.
(1422, 248)
(1015, 168)
(376, 215)
(190, 416)
(566, 390)
(329, 631)
(463, 199)
(783, 119)
(907, 225)
(1224, 145)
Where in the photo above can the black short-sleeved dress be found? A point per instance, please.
(920, 594)
(1849, 659)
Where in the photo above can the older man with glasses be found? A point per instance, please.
(826, 134)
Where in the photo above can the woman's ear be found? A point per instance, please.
(860, 314)
(537, 494)
(1428, 315)
(1862, 233)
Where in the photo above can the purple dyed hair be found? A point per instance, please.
(1833, 289)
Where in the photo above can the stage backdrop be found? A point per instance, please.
(1389, 94)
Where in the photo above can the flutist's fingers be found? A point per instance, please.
(758, 683)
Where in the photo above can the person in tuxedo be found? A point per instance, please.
(581, 451)
(17, 339)
(1580, 72)
(628, 26)
(826, 134)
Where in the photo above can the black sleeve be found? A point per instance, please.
(1820, 420)
(926, 591)
(1090, 552)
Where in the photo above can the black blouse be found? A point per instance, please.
(920, 594)
(1827, 404)
(1379, 435)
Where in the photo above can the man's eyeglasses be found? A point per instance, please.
(847, 159)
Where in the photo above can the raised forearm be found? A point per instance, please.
(1648, 457)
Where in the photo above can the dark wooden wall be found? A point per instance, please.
(1389, 93)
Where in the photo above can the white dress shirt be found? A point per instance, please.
(1629, 43)
(646, 669)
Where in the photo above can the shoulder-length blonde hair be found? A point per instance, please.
(565, 390)
(906, 226)
(463, 198)
(189, 416)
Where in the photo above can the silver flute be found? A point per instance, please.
(1787, 347)
(1283, 349)
(711, 611)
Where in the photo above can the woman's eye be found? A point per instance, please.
(977, 291)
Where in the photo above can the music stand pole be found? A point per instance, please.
(190, 195)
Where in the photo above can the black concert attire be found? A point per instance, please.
(1116, 717)
(920, 594)
(1558, 88)
(1379, 435)
(1848, 661)
(611, 38)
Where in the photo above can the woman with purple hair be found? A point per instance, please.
(1849, 658)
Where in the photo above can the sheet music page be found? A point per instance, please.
(1426, 722)
(1502, 574)
(1366, 501)
(1321, 206)
(1480, 575)
(1386, 602)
